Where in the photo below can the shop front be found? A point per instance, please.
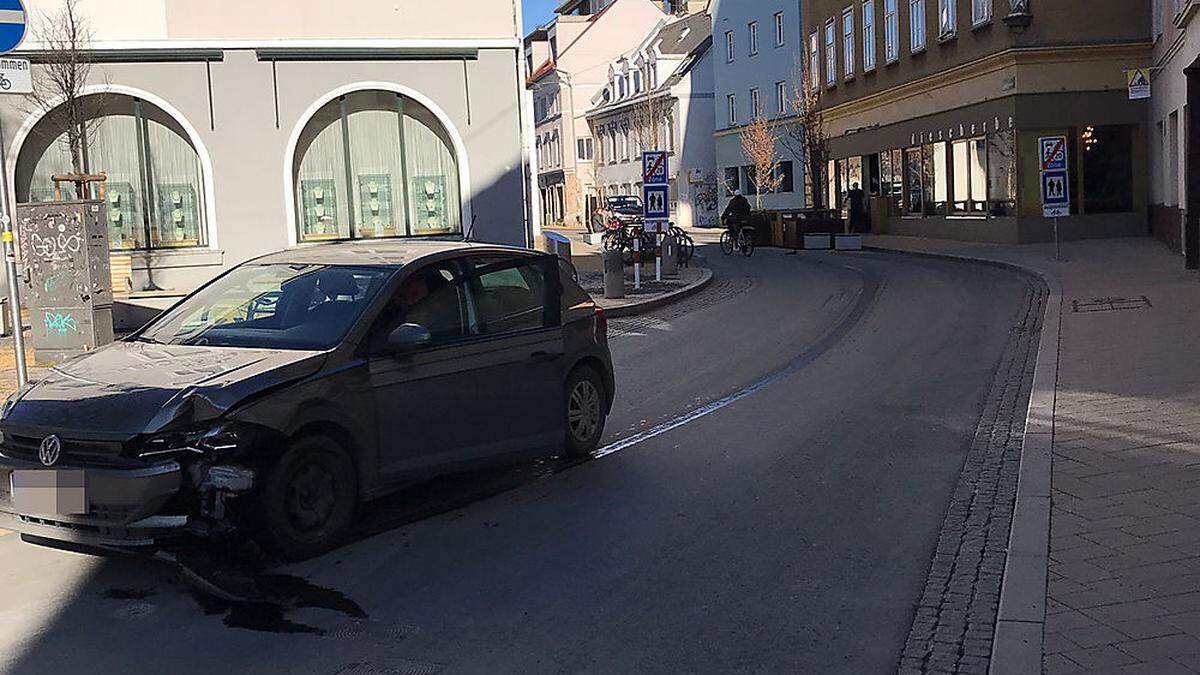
(974, 173)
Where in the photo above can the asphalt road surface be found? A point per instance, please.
(780, 457)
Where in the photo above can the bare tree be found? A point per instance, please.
(759, 146)
(64, 72)
(806, 137)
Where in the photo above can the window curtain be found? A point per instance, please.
(175, 174)
(321, 190)
(433, 179)
(374, 123)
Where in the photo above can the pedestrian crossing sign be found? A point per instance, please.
(1139, 83)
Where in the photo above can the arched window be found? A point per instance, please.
(155, 186)
(375, 164)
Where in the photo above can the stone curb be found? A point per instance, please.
(649, 304)
(1020, 624)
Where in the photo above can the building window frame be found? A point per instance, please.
(831, 75)
(752, 30)
(780, 30)
(729, 46)
(814, 58)
(891, 31)
(917, 26)
(755, 103)
(868, 31)
(731, 104)
(947, 20)
(981, 12)
(781, 97)
(849, 47)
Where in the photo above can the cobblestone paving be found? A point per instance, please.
(956, 615)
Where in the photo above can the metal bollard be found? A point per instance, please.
(670, 256)
(614, 274)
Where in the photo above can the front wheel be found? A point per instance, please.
(585, 410)
(307, 498)
(746, 244)
(727, 243)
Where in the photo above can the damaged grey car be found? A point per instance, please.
(282, 397)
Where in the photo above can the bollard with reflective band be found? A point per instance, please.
(637, 261)
(670, 256)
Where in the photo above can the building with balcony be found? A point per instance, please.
(936, 106)
(1176, 34)
(659, 97)
(231, 129)
(757, 57)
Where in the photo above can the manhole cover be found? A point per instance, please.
(1110, 304)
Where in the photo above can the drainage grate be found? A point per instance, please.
(1111, 304)
(393, 667)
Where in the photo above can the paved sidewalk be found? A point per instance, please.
(1123, 591)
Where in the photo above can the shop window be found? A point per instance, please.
(970, 176)
(376, 164)
(941, 179)
(872, 179)
(914, 203)
(928, 172)
(1002, 173)
(1107, 168)
(155, 187)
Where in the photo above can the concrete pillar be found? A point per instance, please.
(614, 274)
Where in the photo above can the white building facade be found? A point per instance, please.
(758, 49)
(1176, 31)
(659, 97)
(568, 62)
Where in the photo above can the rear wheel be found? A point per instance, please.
(586, 411)
(306, 500)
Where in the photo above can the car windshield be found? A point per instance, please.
(272, 306)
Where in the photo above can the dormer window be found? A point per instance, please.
(620, 87)
(637, 81)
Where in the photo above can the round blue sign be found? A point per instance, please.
(12, 24)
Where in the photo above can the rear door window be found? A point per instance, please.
(512, 294)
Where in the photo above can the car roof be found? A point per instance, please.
(379, 252)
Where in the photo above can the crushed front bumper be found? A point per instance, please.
(123, 506)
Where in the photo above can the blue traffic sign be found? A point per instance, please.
(1056, 194)
(12, 24)
(654, 167)
(655, 202)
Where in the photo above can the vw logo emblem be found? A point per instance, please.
(50, 450)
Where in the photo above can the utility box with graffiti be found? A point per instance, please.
(66, 282)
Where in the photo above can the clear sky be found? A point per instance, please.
(538, 12)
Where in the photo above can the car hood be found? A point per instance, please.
(131, 388)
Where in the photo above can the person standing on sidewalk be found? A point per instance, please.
(856, 203)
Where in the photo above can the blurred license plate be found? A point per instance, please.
(49, 491)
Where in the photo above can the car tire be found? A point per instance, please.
(306, 501)
(585, 406)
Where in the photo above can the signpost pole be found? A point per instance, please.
(1057, 245)
(10, 267)
(658, 238)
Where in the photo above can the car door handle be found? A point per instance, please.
(540, 357)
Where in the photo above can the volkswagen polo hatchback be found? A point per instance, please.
(294, 388)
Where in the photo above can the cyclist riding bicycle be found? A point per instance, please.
(737, 213)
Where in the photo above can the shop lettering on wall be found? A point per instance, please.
(963, 131)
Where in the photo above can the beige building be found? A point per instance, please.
(1176, 81)
(230, 129)
(936, 106)
(568, 60)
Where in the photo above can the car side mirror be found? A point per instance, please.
(407, 338)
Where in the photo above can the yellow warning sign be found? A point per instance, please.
(1139, 83)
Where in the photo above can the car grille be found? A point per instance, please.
(74, 452)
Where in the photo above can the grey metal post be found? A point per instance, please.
(10, 267)
(1057, 245)
(614, 274)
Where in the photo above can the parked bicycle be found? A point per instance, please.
(620, 237)
(685, 245)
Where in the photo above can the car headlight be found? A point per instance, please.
(215, 439)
